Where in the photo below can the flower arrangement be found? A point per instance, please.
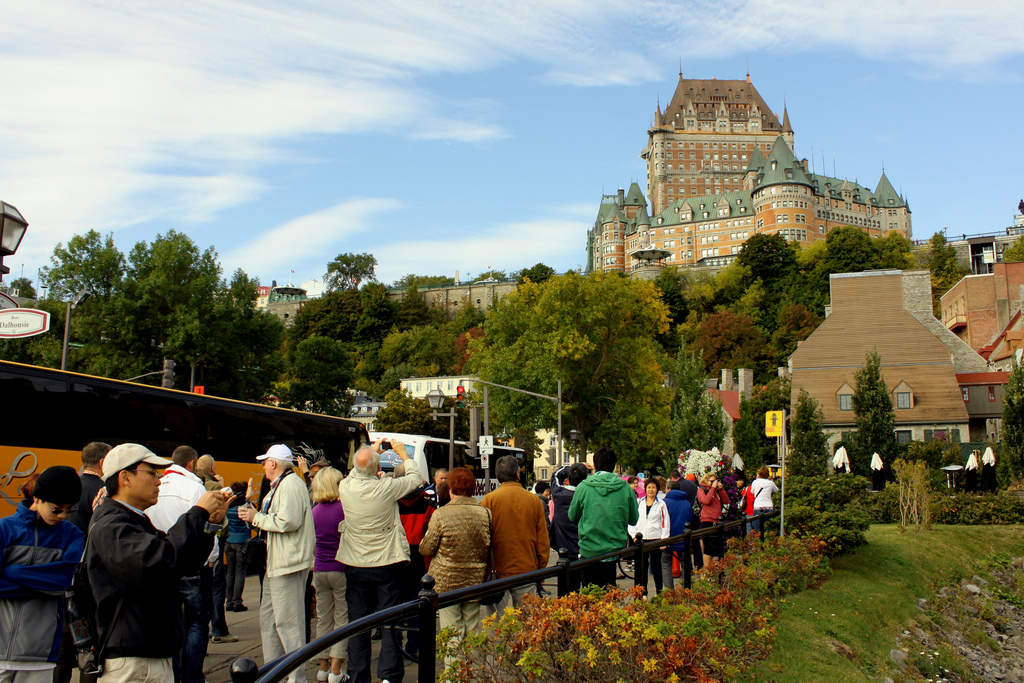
(699, 463)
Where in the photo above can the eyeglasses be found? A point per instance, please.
(61, 510)
(155, 473)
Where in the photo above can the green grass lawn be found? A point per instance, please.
(845, 630)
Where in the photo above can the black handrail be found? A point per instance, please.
(428, 602)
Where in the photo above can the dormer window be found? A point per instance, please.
(774, 165)
(844, 397)
(903, 396)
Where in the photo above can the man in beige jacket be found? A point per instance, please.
(286, 521)
(374, 546)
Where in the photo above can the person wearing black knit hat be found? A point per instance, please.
(46, 548)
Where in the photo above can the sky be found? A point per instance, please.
(466, 135)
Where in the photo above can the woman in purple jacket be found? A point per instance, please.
(713, 497)
(328, 573)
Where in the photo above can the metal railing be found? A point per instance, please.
(428, 602)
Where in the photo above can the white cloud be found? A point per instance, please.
(317, 237)
(120, 113)
(506, 246)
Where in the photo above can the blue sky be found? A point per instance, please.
(458, 135)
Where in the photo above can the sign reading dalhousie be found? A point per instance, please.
(23, 322)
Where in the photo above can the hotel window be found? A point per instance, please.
(966, 391)
(992, 393)
(903, 400)
(845, 401)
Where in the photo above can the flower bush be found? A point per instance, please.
(699, 463)
(709, 633)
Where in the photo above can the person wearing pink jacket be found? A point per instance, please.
(713, 497)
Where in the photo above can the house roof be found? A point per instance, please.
(730, 401)
(782, 166)
(703, 96)
(975, 378)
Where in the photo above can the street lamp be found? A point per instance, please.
(574, 436)
(79, 300)
(435, 399)
(12, 230)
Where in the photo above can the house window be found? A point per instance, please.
(552, 440)
(966, 391)
(904, 436)
(903, 400)
(845, 401)
(419, 386)
(992, 393)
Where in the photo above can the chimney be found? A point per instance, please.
(746, 382)
(622, 197)
(727, 383)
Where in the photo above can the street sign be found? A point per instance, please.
(7, 302)
(486, 444)
(16, 323)
(485, 460)
(773, 422)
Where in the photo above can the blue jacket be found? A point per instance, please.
(238, 531)
(680, 513)
(37, 564)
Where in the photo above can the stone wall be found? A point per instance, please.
(917, 300)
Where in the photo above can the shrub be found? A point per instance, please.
(832, 509)
(963, 508)
(709, 633)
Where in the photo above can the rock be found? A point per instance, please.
(899, 658)
(972, 589)
(978, 580)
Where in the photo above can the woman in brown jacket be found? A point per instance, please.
(459, 539)
(713, 497)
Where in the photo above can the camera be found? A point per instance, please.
(385, 446)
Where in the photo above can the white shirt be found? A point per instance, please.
(763, 490)
(179, 492)
(653, 525)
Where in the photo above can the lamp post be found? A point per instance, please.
(435, 399)
(574, 436)
(12, 230)
(81, 298)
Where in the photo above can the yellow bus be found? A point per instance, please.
(48, 416)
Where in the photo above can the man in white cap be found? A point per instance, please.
(131, 565)
(286, 521)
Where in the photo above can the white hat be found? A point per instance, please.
(278, 452)
(128, 455)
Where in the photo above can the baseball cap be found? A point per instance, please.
(128, 455)
(278, 452)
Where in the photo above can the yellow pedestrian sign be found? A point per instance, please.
(773, 422)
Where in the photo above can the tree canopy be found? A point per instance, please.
(347, 271)
(874, 414)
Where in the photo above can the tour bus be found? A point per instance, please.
(48, 416)
(430, 453)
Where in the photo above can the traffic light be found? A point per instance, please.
(168, 381)
(460, 396)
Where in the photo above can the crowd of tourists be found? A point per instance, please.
(125, 569)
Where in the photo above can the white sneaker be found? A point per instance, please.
(339, 678)
(322, 676)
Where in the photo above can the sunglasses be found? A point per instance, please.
(59, 510)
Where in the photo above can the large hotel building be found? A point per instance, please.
(721, 168)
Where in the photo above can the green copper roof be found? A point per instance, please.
(782, 166)
(885, 194)
(641, 217)
(608, 209)
(635, 196)
(739, 207)
(757, 161)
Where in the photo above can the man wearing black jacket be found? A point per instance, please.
(563, 532)
(131, 567)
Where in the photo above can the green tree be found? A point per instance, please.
(422, 281)
(23, 286)
(697, 418)
(940, 258)
(753, 446)
(596, 335)
(88, 262)
(874, 414)
(795, 323)
(850, 250)
(1011, 461)
(335, 315)
(537, 273)
(322, 371)
(424, 347)
(408, 415)
(808, 453)
(348, 271)
(1015, 252)
(769, 258)
(491, 274)
(895, 252)
(377, 314)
